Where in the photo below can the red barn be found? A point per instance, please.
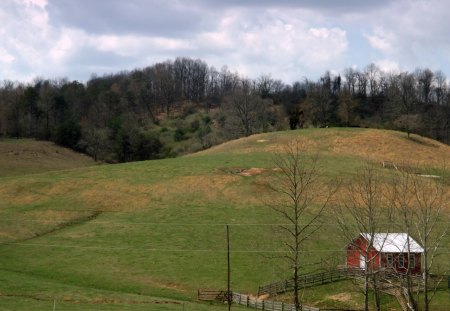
(396, 251)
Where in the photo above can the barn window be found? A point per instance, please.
(401, 261)
(412, 261)
(390, 260)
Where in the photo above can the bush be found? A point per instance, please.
(194, 126)
(179, 135)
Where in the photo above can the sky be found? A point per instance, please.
(286, 39)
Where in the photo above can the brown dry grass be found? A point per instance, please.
(259, 143)
(392, 146)
(116, 195)
(25, 156)
(343, 297)
(209, 187)
(20, 193)
(377, 145)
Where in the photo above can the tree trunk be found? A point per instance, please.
(366, 290)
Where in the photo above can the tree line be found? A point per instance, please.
(146, 113)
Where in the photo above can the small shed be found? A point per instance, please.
(396, 251)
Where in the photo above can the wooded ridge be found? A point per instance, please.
(182, 106)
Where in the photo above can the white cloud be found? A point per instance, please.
(275, 42)
(5, 57)
(39, 3)
(289, 41)
(382, 40)
(387, 65)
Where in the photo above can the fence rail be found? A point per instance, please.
(249, 301)
(212, 295)
(308, 280)
(252, 302)
(314, 279)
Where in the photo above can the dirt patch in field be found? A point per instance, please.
(253, 171)
(342, 297)
(242, 171)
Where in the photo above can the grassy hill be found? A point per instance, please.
(26, 156)
(147, 235)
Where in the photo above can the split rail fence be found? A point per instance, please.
(308, 280)
(314, 279)
(249, 301)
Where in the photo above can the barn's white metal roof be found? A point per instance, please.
(393, 243)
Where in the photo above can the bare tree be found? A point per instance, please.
(373, 73)
(431, 199)
(420, 202)
(302, 200)
(346, 108)
(248, 108)
(400, 197)
(362, 211)
(408, 99)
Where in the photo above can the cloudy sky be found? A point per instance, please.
(289, 39)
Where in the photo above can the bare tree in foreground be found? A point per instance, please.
(420, 202)
(401, 199)
(362, 212)
(302, 198)
(431, 199)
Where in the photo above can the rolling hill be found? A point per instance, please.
(147, 235)
(27, 156)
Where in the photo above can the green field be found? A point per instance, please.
(147, 235)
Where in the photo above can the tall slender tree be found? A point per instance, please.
(302, 199)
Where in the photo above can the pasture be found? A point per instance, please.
(147, 235)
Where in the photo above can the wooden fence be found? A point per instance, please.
(314, 279)
(255, 303)
(308, 280)
(249, 301)
(212, 295)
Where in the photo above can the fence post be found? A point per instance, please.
(247, 300)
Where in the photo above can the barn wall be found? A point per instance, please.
(417, 269)
(358, 246)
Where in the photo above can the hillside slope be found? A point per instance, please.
(371, 144)
(26, 156)
(147, 235)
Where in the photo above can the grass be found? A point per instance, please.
(26, 156)
(120, 237)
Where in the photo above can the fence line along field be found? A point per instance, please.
(148, 235)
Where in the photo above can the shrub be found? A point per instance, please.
(179, 135)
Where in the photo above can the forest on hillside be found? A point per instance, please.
(184, 105)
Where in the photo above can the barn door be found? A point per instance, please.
(362, 262)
